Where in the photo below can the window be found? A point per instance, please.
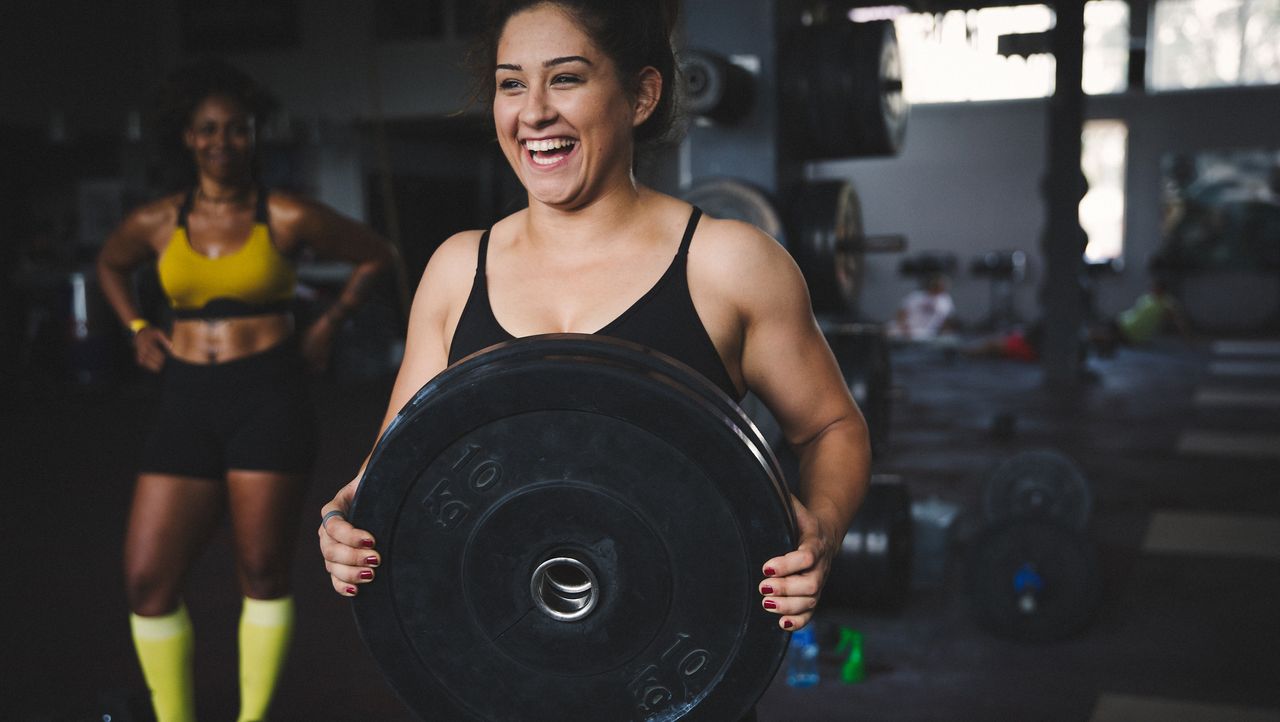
(1102, 158)
(953, 56)
(1213, 43)
(1106, 47)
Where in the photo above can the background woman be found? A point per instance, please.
(235, 428)
(575, 86)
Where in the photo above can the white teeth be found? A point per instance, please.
(548, 144)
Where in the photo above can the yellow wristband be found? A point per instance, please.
(138, 324)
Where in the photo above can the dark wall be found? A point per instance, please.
(92, 62)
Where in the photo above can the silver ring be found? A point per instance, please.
(329, 515)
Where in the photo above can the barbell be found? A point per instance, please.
(1032, 572)
(820, 225)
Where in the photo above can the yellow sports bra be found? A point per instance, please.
(254, 279)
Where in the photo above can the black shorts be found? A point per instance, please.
(251, 414)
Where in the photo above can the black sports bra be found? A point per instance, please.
(664, 319)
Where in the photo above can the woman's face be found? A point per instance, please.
(563, 118)
(220, 137)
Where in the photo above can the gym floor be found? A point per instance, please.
(1181, 444)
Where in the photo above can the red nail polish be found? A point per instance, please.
(770, 604)
(351, 590)
(787, 623)
(766, 589)
(768, 571)
(366, 543)
(366, 574)
(371, 561)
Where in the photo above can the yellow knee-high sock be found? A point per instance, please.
(266, 626)
(165, 646)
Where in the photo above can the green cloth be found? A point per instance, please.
(1140, 323)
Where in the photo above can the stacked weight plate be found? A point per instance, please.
(572, 528)
(1033, 572)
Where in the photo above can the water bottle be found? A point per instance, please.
(854, 669)
(802, 659)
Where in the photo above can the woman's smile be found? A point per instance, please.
(550, 152)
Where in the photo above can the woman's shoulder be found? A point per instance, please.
(744, 267)
(153, 217)
(722, 238)
(446, 281)
(739, 234)
(287, 200)
(461, 247)
(160, 210)
(454, 260)
(296, 218)
(736, 249)
(288, 207)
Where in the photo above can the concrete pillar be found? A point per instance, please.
(1064, 240)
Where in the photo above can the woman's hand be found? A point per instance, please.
(150, 347)
(348, 552)
(793, 582)
(317, 343)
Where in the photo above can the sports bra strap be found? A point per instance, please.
(185, 208)
(260, 213)
(689, 229)
(484, 251)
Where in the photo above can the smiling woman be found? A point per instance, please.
(576, 86)
(234, 426)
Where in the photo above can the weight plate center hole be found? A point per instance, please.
(696, 80)
(564, 588)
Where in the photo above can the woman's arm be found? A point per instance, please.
(334, 237)
(348, 551)
(787, 363)
(127, 248)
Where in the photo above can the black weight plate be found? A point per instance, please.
(592, 449)
(647, 361)
(873, 568)
(715, 87)
(1039, 483)
(736, 200)
(842, 89)
(764, 420)
(743, 421)
(1033, 580)
(824, 231)
(887, 133)
(743, 417)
